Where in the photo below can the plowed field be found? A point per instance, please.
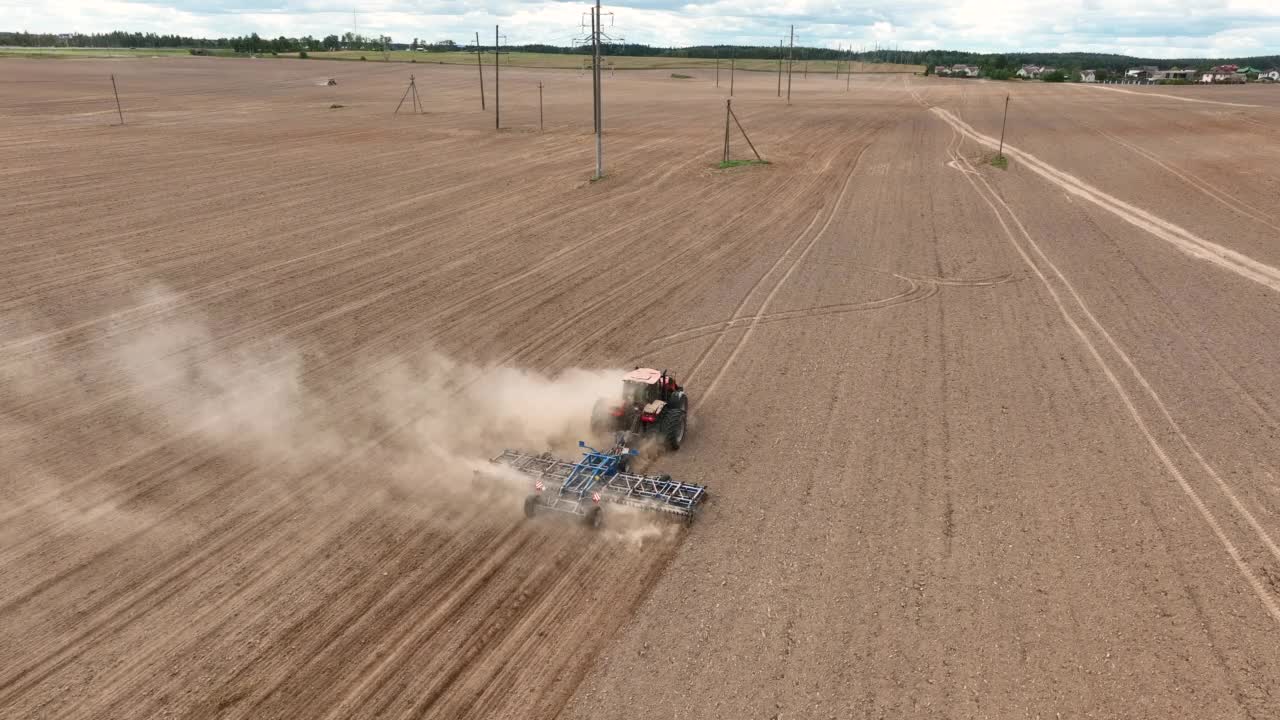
(980, 442)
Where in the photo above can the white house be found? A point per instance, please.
(1272, 75)
(962, 70)
(1088, 76)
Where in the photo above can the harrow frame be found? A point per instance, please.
(580, 488)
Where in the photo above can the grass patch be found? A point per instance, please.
(740, 163)
(999, 161)
(678, 76)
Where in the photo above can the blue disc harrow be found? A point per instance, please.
(579, 488)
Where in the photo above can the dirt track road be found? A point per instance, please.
(982, 443)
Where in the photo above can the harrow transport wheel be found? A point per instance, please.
(530, 506)
(672, 426)
(594, 517)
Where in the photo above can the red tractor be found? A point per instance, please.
(652, 403)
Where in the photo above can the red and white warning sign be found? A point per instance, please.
(538, 486)
(595, 498)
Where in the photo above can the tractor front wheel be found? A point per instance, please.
(671, 426)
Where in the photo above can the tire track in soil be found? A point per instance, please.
(992, 198)
(778, 284)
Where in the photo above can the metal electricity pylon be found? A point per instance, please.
(597, 37)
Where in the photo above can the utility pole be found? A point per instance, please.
(595, 81)
(480, 67)
(497, 102)
(733, 57)
(727, 110)
(539, 106)
(779, 68)
(717, 56)
(1003, 123)
(595, 69)
(791, 61)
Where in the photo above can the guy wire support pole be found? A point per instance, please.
(1003, 123)
(117, 94)
(779, 68)
(791, 61)
(480, 67)
(745, 135)
(497, 102)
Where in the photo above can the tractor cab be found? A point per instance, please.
(641, 386)
(651, 401)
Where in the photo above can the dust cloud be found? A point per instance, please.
(410, 432)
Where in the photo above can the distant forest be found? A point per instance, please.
(993, 64)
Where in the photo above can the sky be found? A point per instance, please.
(1146, 28)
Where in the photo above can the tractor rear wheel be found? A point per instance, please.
(602, 421)
(594, 517)
(671, 426)
(530, 506)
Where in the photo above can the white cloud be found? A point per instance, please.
(1170, 28)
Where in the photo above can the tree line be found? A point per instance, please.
(994, 65)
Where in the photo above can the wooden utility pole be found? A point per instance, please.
(779, 68)
(848, 71)
(791, 61)
(733, 57)
(497, 102)
(480, 67)
(117, 94)
(1003, 123)
(539, 106)
(727, 111)
(717, 56)
(413, 88)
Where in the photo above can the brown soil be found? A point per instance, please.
(981, 442)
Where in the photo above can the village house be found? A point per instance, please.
(1229, 74)
(1088, 76)
(1146, 72)
(1187, 75)
(1032, 72)
(941, 70)
(1272, 75)
(962, 70)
